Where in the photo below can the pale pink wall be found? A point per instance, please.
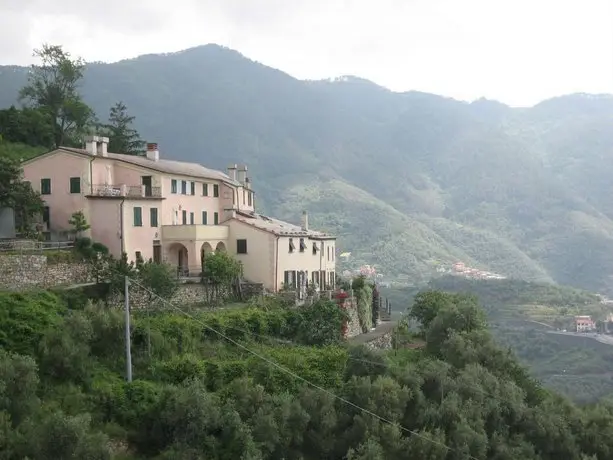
(306, 260)
(140, 238)
(60, 167)
(243, 199)
(105, 222)
(260, 261)
(191, 203)
(99, 171)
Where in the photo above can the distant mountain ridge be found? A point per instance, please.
(409, 181)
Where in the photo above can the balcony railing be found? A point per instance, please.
(128, 191)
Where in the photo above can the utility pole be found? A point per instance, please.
(127, 312)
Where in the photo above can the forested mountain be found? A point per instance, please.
(408, 181)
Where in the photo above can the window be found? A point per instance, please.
(291, 245)
(75, 185)
(45, 186)
(249, 199)
(138, 217)
(47, 216)
(328, 252)
(153, 217)
(157, 253)
(205, 189)
(302, 245)
(331, 279)
(315, 249)
(192, 219)
(193, 188)
(241, 246)
(244, 195)
(215, 218)
(289, 279)
(216, 190)
(184, 187)
(184, 216)
(204, 218)
(173, 186)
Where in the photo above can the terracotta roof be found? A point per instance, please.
(181, 168)
(278, 227)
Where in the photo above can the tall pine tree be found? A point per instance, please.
(122, 137)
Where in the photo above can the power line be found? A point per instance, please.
(350, 358)
(297, 376)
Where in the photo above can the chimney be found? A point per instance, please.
(102, 146)
(232, 171)
(152, 151)
(242, 174)
(91, 144)
(305, 221)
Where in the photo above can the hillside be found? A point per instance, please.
(518, 312)
(228, 384)
(409, 181)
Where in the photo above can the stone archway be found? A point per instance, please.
(221, 247)
(205, 249)
(178, 256)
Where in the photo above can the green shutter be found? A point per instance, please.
(138, 217)
(173, 186)
(75, 185)
(154, 217)
(216, 218)
(204, 218)
(45, 186)
(205, 189)
(215, 190)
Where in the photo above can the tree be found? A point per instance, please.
(122, 137)
(79, 223)
(160, 279)
(221, 268)
(19, 196)
(27, 126)
(53, 88)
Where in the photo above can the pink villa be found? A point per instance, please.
(176, 212)
(584, 323)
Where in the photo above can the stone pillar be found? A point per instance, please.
(375, 306)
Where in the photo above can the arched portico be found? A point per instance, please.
(178, 256)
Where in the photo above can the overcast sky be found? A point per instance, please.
(516, 51)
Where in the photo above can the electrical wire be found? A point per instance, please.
(297, 376)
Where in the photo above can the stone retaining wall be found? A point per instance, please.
(383, 342)
(26, 271)
(187, 294)
(353, 324)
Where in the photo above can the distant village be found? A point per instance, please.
(460, 269)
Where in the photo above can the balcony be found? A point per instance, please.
(194, 232)
(126, 191)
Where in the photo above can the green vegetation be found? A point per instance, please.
(53, 91)
(518, 312)
(123, 138)
(17, 194)
(196, 395)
